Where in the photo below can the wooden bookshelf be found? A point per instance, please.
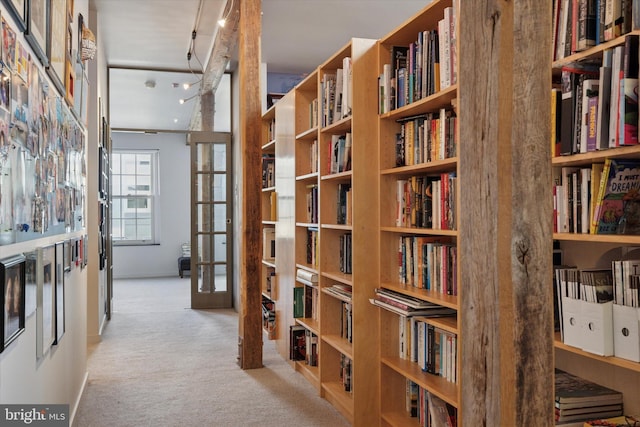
(590, 250)
(396, 371)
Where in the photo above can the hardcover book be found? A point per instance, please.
(617, 208)
(572, 389)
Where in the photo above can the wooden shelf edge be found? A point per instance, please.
(609, 360)
(307, 134)
(268, 189)
(422, 231)
(269, 146)
(308, 323)
(450, 301)
(339, 344)
(338, 277)
(597, 238)
(269, 263)
(433, 166)
(400, 419)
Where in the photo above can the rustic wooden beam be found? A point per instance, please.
(250, 120)
(506, 231)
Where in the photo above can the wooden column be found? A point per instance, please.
(506, 233)
(250, 328)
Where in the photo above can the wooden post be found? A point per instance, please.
(250, 327)
(506, 236)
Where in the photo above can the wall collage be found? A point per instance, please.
(43, 172)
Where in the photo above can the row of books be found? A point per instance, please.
(312, 203)
(344, 207)
(422, 68)
(430, 410)
(336, 90)
(596, 106)
(345, 253)
(346, 321)
(432, 348)
(305, 302)
(303, 345)
(271, 130)
(313, 113)
(428, 263)
(591, 285)
(427, 202)
(601, 199)
(312, 247)
(269, 317)
(339, 153)
(270, 280)
(346, 368)
(426, 138)
(577, 399)
(313, 156)
(626, 279)
(268, 171)
(581, 24)
(269, 243)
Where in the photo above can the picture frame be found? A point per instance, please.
(18, 11)
(56, 43)
(46, 310)
(59, 290)
(12, 277)
(67, 255)
(36, 32)
(31, 283)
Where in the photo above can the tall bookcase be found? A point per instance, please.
(399, 168)
(341, 250)
(277, 218)
(586, 251)
(306, 220)
(268, 278)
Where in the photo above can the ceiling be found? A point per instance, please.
(146, 44)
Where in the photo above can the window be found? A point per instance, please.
(135, 191)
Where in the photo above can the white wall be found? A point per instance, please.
(174, 211)
(60, 376)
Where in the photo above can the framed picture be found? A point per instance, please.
(31, 283)
(18, 11)
(68, 248)
(59, 290)
(12, 276)
(36, 32)
(8, 45)
(56, 43)
(46, 309)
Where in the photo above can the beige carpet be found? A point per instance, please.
(162, 364)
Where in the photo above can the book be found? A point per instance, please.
(628, 98)
(621, 421)
(617, 208)
(306, 275)
(297, 347)
(298, 302)
(572, 389)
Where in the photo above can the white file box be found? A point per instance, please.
(626, 332)
(597, 327)
(571, 315)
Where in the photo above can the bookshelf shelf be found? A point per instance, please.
(269, 147)
(307, 267)
(338, 277)
(444, 165)
(420, 231)
(337, 296)
(310, 177)
(268, 222)
(400, 419)
(337, 342)
(609, 360)
(345, 227)
(334, 392)
(308, 134)
(268, 189)
(269, 263)
(342, 125)
(449, 324)
(340, 177)
(432, 103)
(311, 324)
(584, 159)
(598, 238)
(437, 385)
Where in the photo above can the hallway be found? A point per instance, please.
(162, 364)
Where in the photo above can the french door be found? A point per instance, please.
(211, 225)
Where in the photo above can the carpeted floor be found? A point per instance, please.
(161, 364)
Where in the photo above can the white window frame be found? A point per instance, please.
(153, 196)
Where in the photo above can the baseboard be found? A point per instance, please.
(76, 404)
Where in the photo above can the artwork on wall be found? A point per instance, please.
(12, 276)
(8, 45)
(36, 31)
(56, 47)
(18, 11)
(31, 283)
(46, 308)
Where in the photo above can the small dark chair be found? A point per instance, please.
(184, 262)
